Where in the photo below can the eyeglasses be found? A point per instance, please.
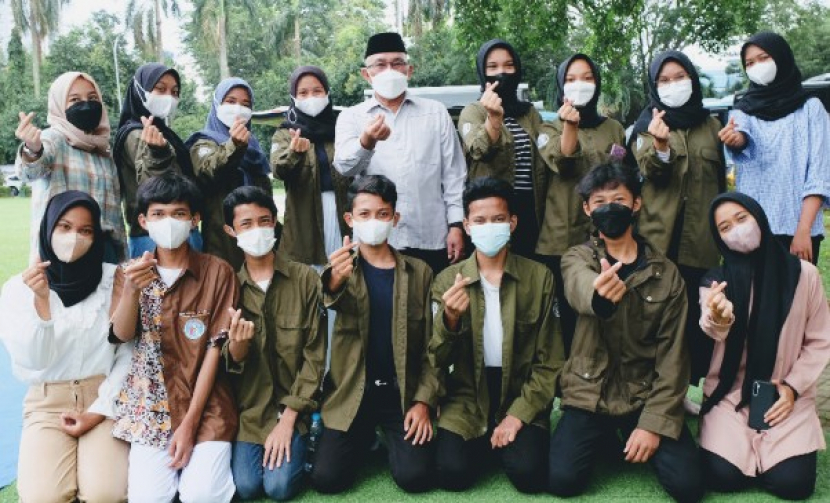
(380, 66)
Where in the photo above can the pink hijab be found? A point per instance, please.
(99, 140)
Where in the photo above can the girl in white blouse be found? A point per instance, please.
(55, 326)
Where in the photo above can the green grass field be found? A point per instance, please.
(613, 481)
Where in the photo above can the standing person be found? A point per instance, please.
(499, 133)
(778, 137)
(145, 146)
(677, 148)
(496, 330)
(380, 372)
(629, 368)
(302, 151)
(277, 369)
(768, 314)
(579, 139)
(61, 308)
(72, 154)
(226, 155)
(176, 408)
(413, 142)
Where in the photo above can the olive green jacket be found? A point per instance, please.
(635, 359)
(566, 223)
(302, 236)
(287, 356)
(532, 354)
(498, 160)
(680, 190)
(411, 330)
(216, 167)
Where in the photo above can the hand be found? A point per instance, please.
(27, 132)
(278, 444)
(456, 301)
(139, 273)
(783, 407)
(181, 447)
(719, 306)
(35, 278)
(417, 424)
(76, 424)
(568, 114)
(641, 446)
(241, 331)
(659, 130)
(492, 103)
(731, 137)
(342, 265)
(455, 244)
(608, 285)
(376, 130)
(298, 143)
(802, 245)
(239, 132)
(151, 134)
(505, 433)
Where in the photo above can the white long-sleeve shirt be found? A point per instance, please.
(423, 156)
(71, 345)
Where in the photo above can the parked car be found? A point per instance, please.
(14, 183)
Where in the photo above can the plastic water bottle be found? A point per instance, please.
(314, 434)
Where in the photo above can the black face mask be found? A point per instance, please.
(613, 219)
(508, 84)
(85, 115)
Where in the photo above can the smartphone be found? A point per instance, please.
(764, 395)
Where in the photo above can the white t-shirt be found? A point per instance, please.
(493, 329)
(264, 284)
(168, 275)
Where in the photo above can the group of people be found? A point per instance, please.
(443, 286)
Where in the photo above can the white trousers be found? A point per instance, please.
(206, 478)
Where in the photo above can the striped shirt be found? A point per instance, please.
(521, 149)
(63, 167)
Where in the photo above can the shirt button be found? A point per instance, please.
(648, 298)
(586, 375)
(657, 274)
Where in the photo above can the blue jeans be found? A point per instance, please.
(251, 478)
(141, 244)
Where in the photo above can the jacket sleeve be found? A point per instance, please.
(815, 346)
(40, 167)
(477, 143)
(663, 411)
(453, 171)
(30, 341)
(343, 300)
(550, 148)
(302, 396)
(285, 163)
(579, 281)
(650, 164)
(428, 384)
(442, 350)
(211, 159)
(148, 161)
(549, 355)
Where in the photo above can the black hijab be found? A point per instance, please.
(75, 281)
(691, 114)
(147, 76)
(770, 276)
(588, 115)
(508, 82)
(317, 129)
(782, 96)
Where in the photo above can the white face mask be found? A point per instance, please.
(312, 106)
(169, 233)
(373, 231)
(70, 246)
(579, 92)
(675, 94)
(390, 84)
(162, 106)
(762, 73)
(256, 242)
(228, 113)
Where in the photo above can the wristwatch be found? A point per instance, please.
(457, 225)
(30, 153)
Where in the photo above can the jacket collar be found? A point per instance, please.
(469, 269)
(194, 264)
(280, 267)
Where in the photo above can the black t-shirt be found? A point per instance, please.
(603, 307)
(380, 360)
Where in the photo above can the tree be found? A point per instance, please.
(40, 19)
(144, 17)
(211, 16)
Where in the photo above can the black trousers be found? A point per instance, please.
(700, 345)
(786, 241)
(567, 315)
(791, 479)
(436, 259)
(581, 435)
(340, 453)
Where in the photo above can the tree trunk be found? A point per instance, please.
(159, 44)
(297, 41)
(224, 71)
(37, 60)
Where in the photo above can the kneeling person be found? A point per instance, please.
(498, 340)
(380, 373)
(628, 368)
(277, 362)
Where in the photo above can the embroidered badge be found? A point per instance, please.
(639, 143)
(465, 129)
(435, 307)
(275, 147)
(194, 328)
(542, 140)
(205, 151)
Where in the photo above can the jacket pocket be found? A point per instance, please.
(291, 329)
(652, 297)
(638, 381)
(582, 381)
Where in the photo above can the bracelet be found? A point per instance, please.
(32, 154)
(456, 225)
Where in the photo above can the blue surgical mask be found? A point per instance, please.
(490, 238)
